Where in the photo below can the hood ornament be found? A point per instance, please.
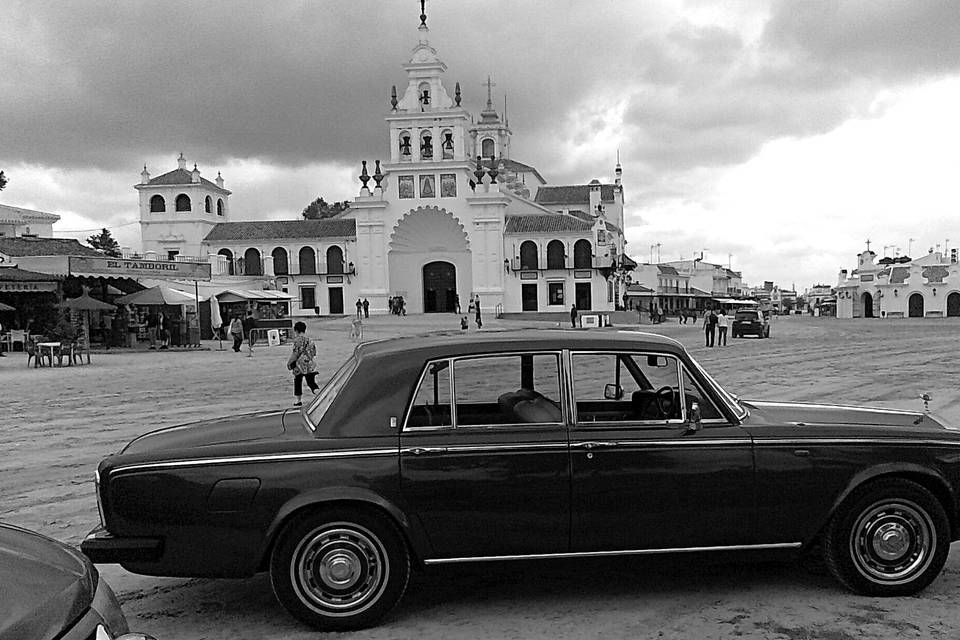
(926, 397)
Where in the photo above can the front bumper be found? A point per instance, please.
(102, 547)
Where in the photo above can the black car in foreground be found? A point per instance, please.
(749, 322)
(49, 591)
(525, 445)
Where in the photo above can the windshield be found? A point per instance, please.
(746, 315)
(324, 398)
(734, 404)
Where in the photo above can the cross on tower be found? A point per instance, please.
(423, 13)
(868, 244)
(489, 84)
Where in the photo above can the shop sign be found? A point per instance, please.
(27, 287)
(129, 268)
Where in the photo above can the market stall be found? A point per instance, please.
(178, 309)
(270, 308)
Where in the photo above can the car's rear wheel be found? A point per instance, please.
(339, 569)
(891, 538)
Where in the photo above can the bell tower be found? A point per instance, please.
(490, 138)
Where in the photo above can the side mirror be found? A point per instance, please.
(693, 423)
(612, 392)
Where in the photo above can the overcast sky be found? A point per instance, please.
(783, 133)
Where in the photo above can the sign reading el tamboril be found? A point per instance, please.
(125, 267)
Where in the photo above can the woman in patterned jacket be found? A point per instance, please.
(301, 362)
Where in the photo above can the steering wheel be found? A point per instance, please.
(664, 400)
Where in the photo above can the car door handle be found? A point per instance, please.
(422, 450)
(597, 445)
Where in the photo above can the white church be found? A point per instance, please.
(449, 216)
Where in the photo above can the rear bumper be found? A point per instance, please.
(102, 547)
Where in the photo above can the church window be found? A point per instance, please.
(183, 202)
(582, 255)
(405, 186)
(487, 148)
(405, 144)
(308, 261)
(428, 187)
(555, 255)
(448, 185)
(447, 145)
(208, 205)
(426, 145)
(280, 264)
(219, 207)
(157, 204)
(528, 255)
(226, 253)
(252, 265)
(334, 259)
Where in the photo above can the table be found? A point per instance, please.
(46, 345)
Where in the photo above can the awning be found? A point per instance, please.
(240, 295)
(742, 303)
(158, 295)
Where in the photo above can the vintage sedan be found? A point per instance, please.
(525, 445)
(51, 591)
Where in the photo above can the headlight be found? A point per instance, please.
(103, 634)
(96, 486)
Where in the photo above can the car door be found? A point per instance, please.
(484, 456)
(639, 481)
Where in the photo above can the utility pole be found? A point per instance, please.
(651, 253)
(730, 261)
(910, 246)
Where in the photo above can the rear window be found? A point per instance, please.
(746, 315)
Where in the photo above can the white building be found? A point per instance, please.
(448, 216)
(17, 221)
(924, 287)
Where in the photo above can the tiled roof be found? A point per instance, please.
(519, 167)
(572, 194)
(13, 274)
(627, 261)
(6, 211)
(282, 229)
(45, 247)
(547, 223)
(182, 176)
(639, 288)
(667, 270)
(732, 274)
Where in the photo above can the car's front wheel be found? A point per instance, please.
(891, 538)
(339, 569)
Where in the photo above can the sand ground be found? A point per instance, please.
(56, 424)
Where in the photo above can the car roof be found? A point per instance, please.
(440, 344)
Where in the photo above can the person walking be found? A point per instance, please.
(573, 316)
(236, 332)
(710, 327)
(163, 330)
(249, 324)
(366, 308)
(722, 329)
(152, 329)
(456, 301)
(301, 362)
(359, 309)
(476, 306)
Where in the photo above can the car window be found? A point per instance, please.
(431, 405)
(329, 392)
(693, 392)
(508, 389)
(619, 387)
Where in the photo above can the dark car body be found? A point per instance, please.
(577, 476)
(49, 590)
(750, 323)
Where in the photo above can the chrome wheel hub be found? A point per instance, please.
(892, 541)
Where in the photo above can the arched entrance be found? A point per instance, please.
(439, 287)
(915, 305)
(867, 300)
(953, 305)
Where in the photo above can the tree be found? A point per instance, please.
(3, 181)
(320, 208)
(105, 243)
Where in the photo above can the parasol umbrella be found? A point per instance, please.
(86, 304)
(157, 295)
(216, 320)
(6, 307)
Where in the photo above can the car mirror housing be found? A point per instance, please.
(693, 422)
(613, 392)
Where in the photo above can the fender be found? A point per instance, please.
(409, 527)
(882, 470)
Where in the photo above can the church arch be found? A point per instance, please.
(183, 202)
(281, 265)
(426, 144)
(556, 258)
(226, 253)
(334, 259)
(158, 204)
(488, 148)
(252, 265)
(439, 287)
(208, 205)
(528, 255)
(582, 254)
(307, 260)
(953, 305)
(405, 144)
(915, 305)
(866, 301)
(219, 207)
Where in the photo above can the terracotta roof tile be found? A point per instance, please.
(547, 223)
(45, 247)
(572, 194)
(282, 229)
(184, 177)
(13, 274)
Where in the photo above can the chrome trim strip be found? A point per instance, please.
(672, 443)
(892, 441)
(820, 405)
(467, 448)
(629, 552)
(312, 455)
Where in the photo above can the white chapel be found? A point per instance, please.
(447, 216)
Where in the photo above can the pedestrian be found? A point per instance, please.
(476, 306)
(106, 322)
(301, 362)
(249, 324)
(163, 330)
(236, 332)
(456, 301)
(403, 306)
(722, 329)
(573, 316)
(359, 309)
(366, 308)
(152, 329)
(710, 327)
(2, 354)
(463, 323)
